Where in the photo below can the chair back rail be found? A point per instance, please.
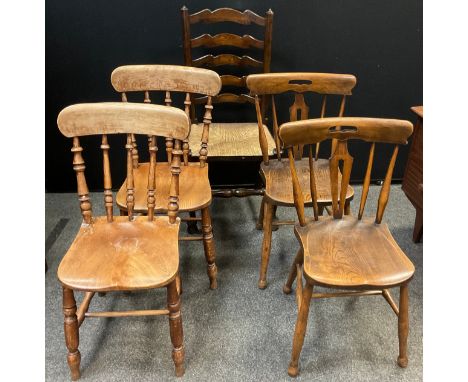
(168, 79)
(246, 42)
(129, 119)
(313, 131)
(271, 84)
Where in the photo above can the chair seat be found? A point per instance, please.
(231, 140)
(352, 253)
(278, 181)
(194, 188)
(122, 255)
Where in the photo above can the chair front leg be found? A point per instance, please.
(403, 326)
(70, 326)
(266, 245)
(175, 328)
(208, 245)
(293, 272)
(299, 332)
(261, 215)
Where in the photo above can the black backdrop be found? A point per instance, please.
(380, 42)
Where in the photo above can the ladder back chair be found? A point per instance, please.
(328, 87)
(195, 189)
(355, 254)
(123, 253)
(230, 141)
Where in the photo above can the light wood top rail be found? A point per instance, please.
(227, 14)
(123, 117)
(367, 129)
(322, 83)
(131, 78)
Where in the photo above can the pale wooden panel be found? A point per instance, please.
(177, 78)
(352, 253)
(122, 255)
(278, 181)
(194, 188)
(368, 129)
(231, 140)
(123, 117)
(323, 83)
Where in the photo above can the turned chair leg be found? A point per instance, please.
(266, 246)
(192, 226)
(259, 224)
(300, 329)
(175, 328)
(403, 326)
(293, 272)
(71, 333)
(347, 208)
(208, 244)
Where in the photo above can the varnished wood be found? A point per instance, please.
(209, 247)
(191, 180)
(121, 253)
(232, 140)
(413, 176)
(261, 132)
(246, 17)
(129, 313)
(175, 327)
(267, 221)
(138, 78)
(229, 140)
(355, 254)
(118, 117)
(322, 83)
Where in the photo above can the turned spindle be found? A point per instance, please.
(83, 193)
(108, 200)
(206, 131)
(130, 183)
(173, 206)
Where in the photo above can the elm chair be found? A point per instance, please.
(275, 172)
(195, 189)
(232, 141)
(355, 254)
(123, 253)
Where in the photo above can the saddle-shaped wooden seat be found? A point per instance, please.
(124, 255)
(335, 253)
(194, 188)
(278, 182)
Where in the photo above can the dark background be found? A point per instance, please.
(380, 42)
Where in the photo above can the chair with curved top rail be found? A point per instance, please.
(355, 254)
(230, 140)
(275, 172)
(195, 189)
(123, 253)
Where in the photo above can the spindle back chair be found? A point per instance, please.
(123, 253)
(195, 189)
(233, 141)
(352, 253)
(275, 172)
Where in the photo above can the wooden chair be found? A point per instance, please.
(195, 189)
(230, 141)
(275, 172)
(123, 253)
(356, 254)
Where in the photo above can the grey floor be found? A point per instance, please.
(237, 332)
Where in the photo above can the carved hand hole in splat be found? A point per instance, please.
(343, 129)
(300, 82)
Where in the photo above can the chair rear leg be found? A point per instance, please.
(175, 328)
(293, 272)
(403, 326)
(259, 225)
(208, 244)
(299, 332)
(70, 326)
(266, 245)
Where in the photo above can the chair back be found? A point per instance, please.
(313, 131)
(125, 118)
(170, 78)
(326, 85)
